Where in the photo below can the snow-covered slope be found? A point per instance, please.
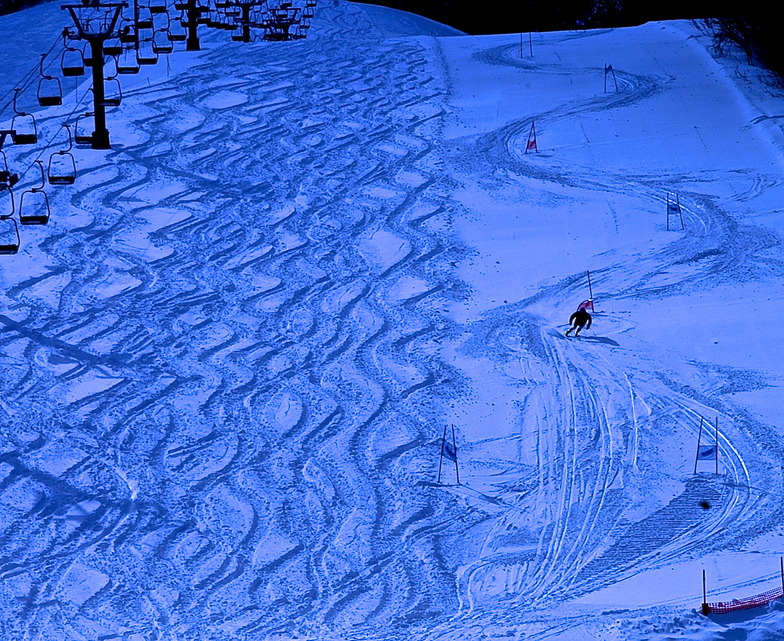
(229, 358)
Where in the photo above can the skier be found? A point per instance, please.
(581, 318)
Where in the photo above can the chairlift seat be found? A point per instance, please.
(50, 101)
(8, 179)
(62, 180)
(72, 71)
(147, 58)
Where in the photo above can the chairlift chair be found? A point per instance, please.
(7, 177)
(161, 21)
(72, 62)
(158, 6)
(87, 53)
(9, 236)
(23, 126)
(161, 43)
(112, 91)
(81, 138)
(144, 19)
(7, 208)
(127, 63)
(177, 31)
(34, 203)
(145, 54)
(50, 91)
(62, 166)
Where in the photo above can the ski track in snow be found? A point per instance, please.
(223, 390)
(249, 363)
(563, 530)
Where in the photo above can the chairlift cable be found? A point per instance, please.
(26, 80)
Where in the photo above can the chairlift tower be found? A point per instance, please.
(95, 22)
(194, 11)
(245, 6)
(282, 18)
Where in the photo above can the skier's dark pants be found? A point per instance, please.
(577, 327)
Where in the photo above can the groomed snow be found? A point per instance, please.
(229, 358)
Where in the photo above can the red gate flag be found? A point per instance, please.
(586, 304)
(531, 144)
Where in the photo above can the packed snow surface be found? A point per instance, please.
(229, 359)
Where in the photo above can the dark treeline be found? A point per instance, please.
(756, 32)
(477, 18)
(752, 24)
(9, 6)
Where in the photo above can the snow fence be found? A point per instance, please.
(725, 607)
